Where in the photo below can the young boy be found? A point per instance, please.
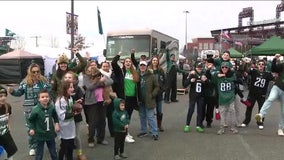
(44, 125)
(197, 81)
(6, 139)
(120, 120)
(225, 82)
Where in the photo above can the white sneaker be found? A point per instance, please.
(243, 125)
(129, 140)
(260, 127)
(32, 152)
(128, 135)
(280, 132)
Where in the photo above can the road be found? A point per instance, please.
(173, 144)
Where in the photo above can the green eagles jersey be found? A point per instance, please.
(226, 89)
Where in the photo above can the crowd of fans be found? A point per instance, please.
(108, 93)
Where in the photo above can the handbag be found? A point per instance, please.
(217, 114)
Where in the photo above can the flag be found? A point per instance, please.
(100, 21)
(238, 43)
(69, 23)
(225, 34)
(9, 33)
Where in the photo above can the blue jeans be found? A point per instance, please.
(200, 111)
(51, 147)
(159, 107)
(275, 93)
(145, 115)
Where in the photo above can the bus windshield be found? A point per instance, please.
(115, 44)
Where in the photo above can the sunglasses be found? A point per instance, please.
(34, 72)
(224, 67)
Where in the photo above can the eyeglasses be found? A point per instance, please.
(34, 72)
(224, 67)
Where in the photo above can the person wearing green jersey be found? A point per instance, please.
(225, 82)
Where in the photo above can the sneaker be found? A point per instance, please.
(260, 127)
(32, 152)
(258, 118)
(246, 102)
(175, 100)
(116, 157)
(243, 125)
(91, 144)
(123, 155)
(234, 130)
(221, 131)
(140, 135)
(104, 142)
(280, 132)
(186, 128)
(129, 136)
(199, 129)
(155, 137)
(129, 140)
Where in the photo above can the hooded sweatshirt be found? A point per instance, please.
(120, 117)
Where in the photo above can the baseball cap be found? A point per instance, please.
(143, 63)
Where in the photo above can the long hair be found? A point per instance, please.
(133, 71)
(29, 78)
(65, 85)
(159, 68)
(60, 73)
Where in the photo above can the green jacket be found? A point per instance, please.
(171, 64)
(120, 117)
(148, 88)
(56, 79)
(42, 121)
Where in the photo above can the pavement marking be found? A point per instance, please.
(252, 154)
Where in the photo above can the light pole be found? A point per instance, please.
(72, 29)
(36, 37)
(186, 12)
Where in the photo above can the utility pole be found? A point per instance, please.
(186, 12)
(36, 37)
(72, 29)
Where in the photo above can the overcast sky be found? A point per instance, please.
(48, 18)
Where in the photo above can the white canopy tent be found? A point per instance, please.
(49, 55)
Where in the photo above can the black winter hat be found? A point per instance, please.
(210, 60)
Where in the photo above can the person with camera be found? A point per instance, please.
(94, 84)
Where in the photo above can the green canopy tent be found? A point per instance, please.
(270, 47)
(235, 53)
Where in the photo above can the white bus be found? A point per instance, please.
(144, 41)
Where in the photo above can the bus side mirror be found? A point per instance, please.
(104, 52)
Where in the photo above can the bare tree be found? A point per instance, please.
(54, 42)
(79, 42)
